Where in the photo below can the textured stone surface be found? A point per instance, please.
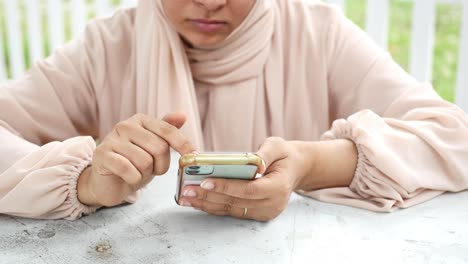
(156, 230)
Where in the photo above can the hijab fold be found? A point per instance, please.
(243, 74)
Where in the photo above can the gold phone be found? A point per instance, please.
(194, 168)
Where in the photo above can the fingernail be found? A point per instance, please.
(186, 204)
(207, 185)
(190, 193)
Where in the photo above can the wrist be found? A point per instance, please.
(305, 162)
(84, 193)
(327, 164)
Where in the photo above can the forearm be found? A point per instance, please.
(326, 164)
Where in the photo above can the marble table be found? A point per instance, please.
(156, 230)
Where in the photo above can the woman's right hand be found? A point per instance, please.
(129, 157)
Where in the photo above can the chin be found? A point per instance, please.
(204, 41)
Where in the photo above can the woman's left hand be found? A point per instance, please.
(262, 199)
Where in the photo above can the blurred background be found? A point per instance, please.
(55, 21)
(447, 38)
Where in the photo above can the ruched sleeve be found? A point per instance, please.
(412, 144)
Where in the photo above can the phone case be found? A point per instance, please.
(194, 168)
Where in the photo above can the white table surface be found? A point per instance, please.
(156, 230)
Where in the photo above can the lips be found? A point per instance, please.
(208, 26)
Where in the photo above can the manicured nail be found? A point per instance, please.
(190, 193)
(186, 204)
(207, 185)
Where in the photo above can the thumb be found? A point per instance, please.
(272, 150)
(176, 119)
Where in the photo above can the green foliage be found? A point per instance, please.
(447, 39)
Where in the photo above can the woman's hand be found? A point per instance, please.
(290, 166)
(129, 157)
(262, 199)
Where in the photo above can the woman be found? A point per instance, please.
(226, 75)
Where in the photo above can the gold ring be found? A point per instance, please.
(245, 211)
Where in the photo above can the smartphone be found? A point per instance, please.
(194, 168)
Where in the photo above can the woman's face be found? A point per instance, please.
(204, 23)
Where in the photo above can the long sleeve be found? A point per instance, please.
(41, 182)
(48, 119)
(412, 145)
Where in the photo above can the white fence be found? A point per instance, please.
(422, 39)
(377, 24)
(55, 24)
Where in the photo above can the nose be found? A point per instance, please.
(211, 5)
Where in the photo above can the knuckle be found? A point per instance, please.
(122, 127)
(161, 169)
(101, 170)
(227, 208)
(231, 200)
(122, 167)
(279, 143)
(166, 128)
(267, 141)
(203, 195)
(284, 189)
(185, 145)
(250, 189)
(126, 169)
(147, 137)
(145, 163)
(274, 140)
(159, 148)
(224, 187)
(134, 188)
(135, 181)
(120, 130)
(139, 117)
(111, 160)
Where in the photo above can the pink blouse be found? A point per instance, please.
(412, 145)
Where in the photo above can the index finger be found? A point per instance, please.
(261, 188)
(171, 134)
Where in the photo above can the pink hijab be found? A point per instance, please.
(243, 73)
